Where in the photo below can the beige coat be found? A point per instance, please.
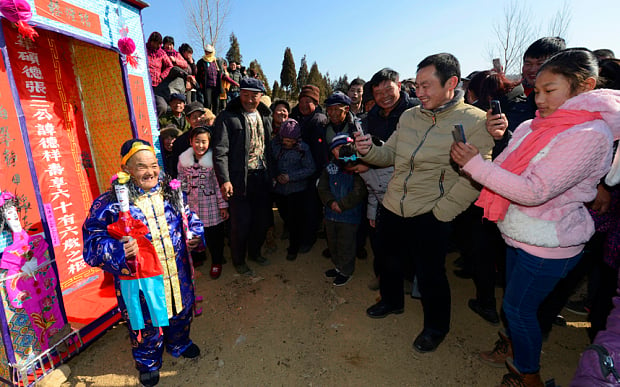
(425, 178)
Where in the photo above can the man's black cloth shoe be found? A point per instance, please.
(191, 352)
(488, 314)
(149, 378)
(381, 309)
(331, 273)
(427, 341)
(341, 279)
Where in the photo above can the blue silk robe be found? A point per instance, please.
(166, 234)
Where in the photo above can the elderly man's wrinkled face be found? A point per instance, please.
(177, 106)
(337, 113)
(144, 169)
(250, 100)
(307, 105)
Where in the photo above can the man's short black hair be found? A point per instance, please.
(357, 82)
(545, 47)
(446, 66)
(385, 74)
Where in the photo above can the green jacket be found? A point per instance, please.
(425, 178)
(168, 118)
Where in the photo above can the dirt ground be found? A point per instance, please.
(289, 326)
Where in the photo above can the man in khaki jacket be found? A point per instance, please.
(425, 193)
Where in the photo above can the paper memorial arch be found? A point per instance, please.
(75, 86)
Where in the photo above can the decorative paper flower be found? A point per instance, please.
(19, 12)
(175, 184)
(5, 196)
(127, 46)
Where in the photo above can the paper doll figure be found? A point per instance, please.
(147, 273)
(30, 279)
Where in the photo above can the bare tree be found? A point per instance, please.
(519, 28)
(206, 20)
(559, 25)
(514, 33)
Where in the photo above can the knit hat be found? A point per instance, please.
(252, 84)
(338, 98)
(339, 139)
(209, 48)
(310, 91)
(290, 129)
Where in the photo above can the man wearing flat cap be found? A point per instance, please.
(340, 117)
(175, 116)
(241, 156)
(154, 207)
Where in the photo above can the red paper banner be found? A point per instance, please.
(138, 99)
(50, 100)
(14, 170)
(66, 13)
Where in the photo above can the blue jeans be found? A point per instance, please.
(529, 279)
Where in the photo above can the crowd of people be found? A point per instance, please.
(514, 174)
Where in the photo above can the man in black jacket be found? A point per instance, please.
(241, 155)
(390, 103)
(312, 120)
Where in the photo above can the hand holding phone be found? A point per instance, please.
(496, 108)
(458, 133)
(358, 125)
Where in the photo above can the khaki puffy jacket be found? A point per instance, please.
(425, 179)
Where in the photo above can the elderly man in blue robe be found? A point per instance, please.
(173, 230)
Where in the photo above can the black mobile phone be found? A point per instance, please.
(496, 108)
(458, 133)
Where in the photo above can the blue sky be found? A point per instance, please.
(358, 38)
